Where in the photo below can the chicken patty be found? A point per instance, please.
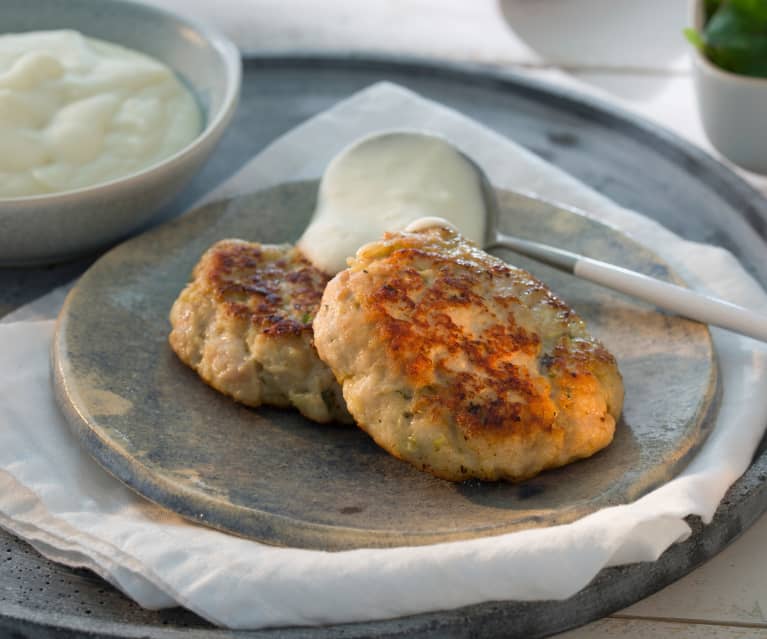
(462, 365)
(244, 323)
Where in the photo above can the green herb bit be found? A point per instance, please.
(734, 37)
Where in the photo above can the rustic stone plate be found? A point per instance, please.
(273, 476)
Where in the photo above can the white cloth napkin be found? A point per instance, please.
(54, 496)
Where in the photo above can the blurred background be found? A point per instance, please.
(631, 53)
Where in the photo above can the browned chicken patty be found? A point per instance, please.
(463, 365)
(244, 323)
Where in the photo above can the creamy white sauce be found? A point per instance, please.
(384, 183)
(75, 112)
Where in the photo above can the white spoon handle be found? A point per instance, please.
(667, 296)
(674, 298)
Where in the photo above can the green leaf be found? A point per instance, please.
(755, 10)
(695, 38)
(709, 7)
(735, 37)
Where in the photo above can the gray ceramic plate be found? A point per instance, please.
(273, 476)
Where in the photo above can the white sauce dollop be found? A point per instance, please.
(75, 112)
(384, 183)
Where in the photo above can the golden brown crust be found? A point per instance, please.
(244, 323)
(477, 349)
(413, 312)
(279, 295)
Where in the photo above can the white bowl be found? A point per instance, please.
(55, 227)
(733, 108)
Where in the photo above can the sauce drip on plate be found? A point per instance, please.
(384, 183)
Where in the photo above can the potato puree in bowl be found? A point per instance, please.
(75, 112)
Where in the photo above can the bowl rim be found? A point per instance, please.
(230, 56)
(703, 63)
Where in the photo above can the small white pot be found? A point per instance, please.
(733, 107)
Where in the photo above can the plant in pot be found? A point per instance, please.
(730, 73)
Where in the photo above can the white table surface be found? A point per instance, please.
(629, 52)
